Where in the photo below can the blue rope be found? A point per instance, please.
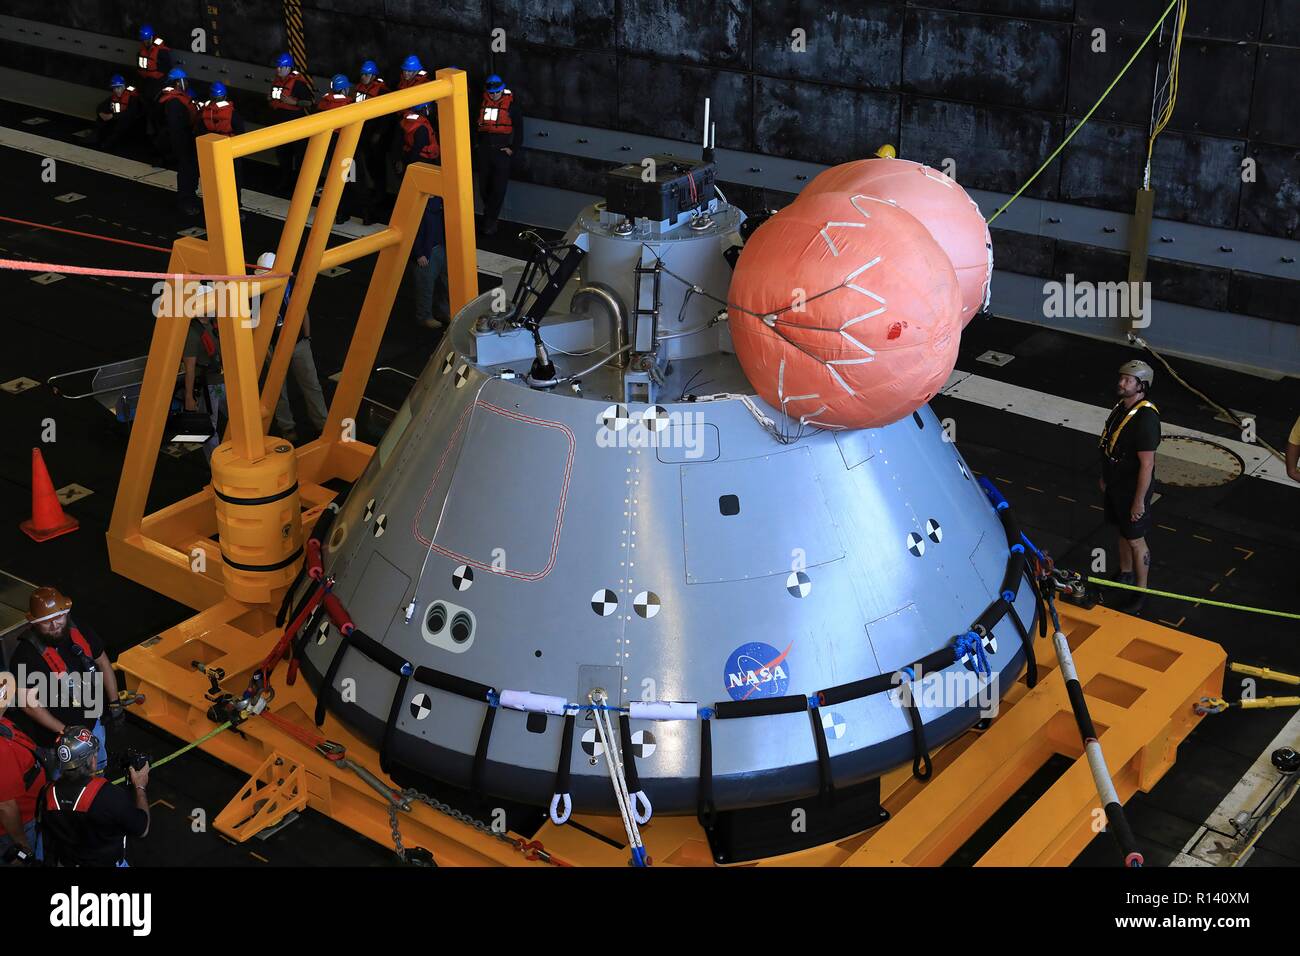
(995, 497)
(580, 707)
(970, 643)
(1038, 554)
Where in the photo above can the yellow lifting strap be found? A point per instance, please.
(1108, 439)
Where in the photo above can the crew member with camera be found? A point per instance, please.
(84, 819)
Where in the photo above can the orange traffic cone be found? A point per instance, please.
(48, 517)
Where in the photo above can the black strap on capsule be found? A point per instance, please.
(566, 753)
(390, 726)
(826, 787)
(760, 707)
(331, 673)
(629, 755)
(1027, 642)
(706, 812)
(922, 766)
(481, 751)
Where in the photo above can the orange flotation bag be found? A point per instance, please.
(845, 311)
(941, 205)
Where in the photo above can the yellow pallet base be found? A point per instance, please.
(1140, 680)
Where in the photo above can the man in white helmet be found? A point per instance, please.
(302, 366)
(1128, 460)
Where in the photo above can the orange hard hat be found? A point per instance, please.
(47, 603)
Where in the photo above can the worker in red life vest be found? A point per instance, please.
(84, 819)
(413, 73)
(370, 83)
(372, 151)
(152, 62)
(500, 135)
(218, 115)
(64, 674)
(290, 97)
(120, 115)
(177, 116)
(22, 778)
(419, 142)
(340, 94)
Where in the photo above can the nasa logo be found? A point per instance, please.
(757, 670)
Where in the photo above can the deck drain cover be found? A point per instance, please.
(1186, 462)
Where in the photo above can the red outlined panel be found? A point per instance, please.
(452, 442)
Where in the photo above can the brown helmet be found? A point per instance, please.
(47, 603)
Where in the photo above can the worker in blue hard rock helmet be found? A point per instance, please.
(152, 62)
(500, 130)
(289, 97)
(372, 151)
(177, 117)
(218, 115)
(120, 116)
(413, 72)
(340, 94)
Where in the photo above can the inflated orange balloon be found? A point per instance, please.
(845, 312)
(943, 207)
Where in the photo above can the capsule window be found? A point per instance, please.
(729, 505)
(461, 628)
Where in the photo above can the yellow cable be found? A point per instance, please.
(1087, 116)
(1205, 398)
(1105, 582)
(1167, 109)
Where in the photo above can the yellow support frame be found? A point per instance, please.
(159, 550)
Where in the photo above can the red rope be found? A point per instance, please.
(120, 242)
(300, 734)
(129, 273)
(86, 235)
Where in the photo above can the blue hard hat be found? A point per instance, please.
(495, 84)
(116, 80)
(412, 64)
(284, 59)
(339, 82)
(176, 74)
(369, 67)
(424, 106)
(218, 90)
(146, 32)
